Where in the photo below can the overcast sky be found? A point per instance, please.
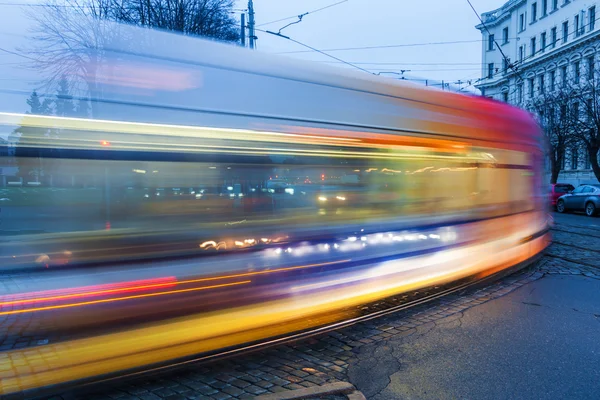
(361, 23)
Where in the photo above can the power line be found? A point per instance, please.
(389, 46)
(17, 54)
(306, 13)
(434, 70)
(506, 59)
(44, 5)
(532, 55)
(314, 49)
(402, 63)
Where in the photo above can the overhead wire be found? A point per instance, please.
(316, 50)
(388, 46)
(303, 14)
(529, 57)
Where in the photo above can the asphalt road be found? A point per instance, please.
(577, 219)
(538, 342)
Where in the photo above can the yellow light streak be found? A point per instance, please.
(138, 296)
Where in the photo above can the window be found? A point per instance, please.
(586, 158)
(505, 97)
(521, 51)
(533, 12)
(553, 37)
(563, 188)
(565, 27)
(533, 47)
(592, 18)
(521, 22)
(520, 92)
(563, 112)
(505, 35)
(576, 72)
(544, 8)
(551, 115)
(541, 83)
(531, 87)
(577, 30)
(574, 154)
(554, 5)
(590, 68)
(491, 42)
(490, 70)
(552, 80)
(543, 41)
(563, 75)
(504, 65)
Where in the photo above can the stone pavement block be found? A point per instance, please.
(148, 396)
(221, 396)
(293, 386)
(277, 389)
(255, 390)
(233, 391)
(239, 383)
(264, 384)
(332, 388)
(356, 395)
(176, 396)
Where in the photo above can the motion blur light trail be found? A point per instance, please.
(306, 308)
(87, 291)
(248, 201)
(169, 283)
(114, 299)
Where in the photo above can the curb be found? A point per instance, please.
(316, 391)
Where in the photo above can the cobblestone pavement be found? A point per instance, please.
(326, 359)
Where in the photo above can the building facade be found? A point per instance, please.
(530, 47)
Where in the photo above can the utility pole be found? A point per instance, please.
(243, 31)
(251, 23)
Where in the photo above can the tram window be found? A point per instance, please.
(267, 194)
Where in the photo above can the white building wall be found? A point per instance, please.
(505, 85)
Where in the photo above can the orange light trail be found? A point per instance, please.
(129, 289)
(139, 296)
(93, 293)
(84, 290)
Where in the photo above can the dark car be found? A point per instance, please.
(559, 189)
(584, 198)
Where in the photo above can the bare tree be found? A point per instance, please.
(68, 45)
(553, 112)
(584, 93)
(209, 18)
(71, 39)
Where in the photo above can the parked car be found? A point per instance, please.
(559, 189)
(584, 198)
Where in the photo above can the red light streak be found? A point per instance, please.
(110, 289)
(98, 290)
(139, 296)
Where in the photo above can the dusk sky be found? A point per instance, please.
(362, 23)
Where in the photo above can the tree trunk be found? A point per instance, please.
(593, 154)
(555, 162)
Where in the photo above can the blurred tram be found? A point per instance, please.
(208, 197)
